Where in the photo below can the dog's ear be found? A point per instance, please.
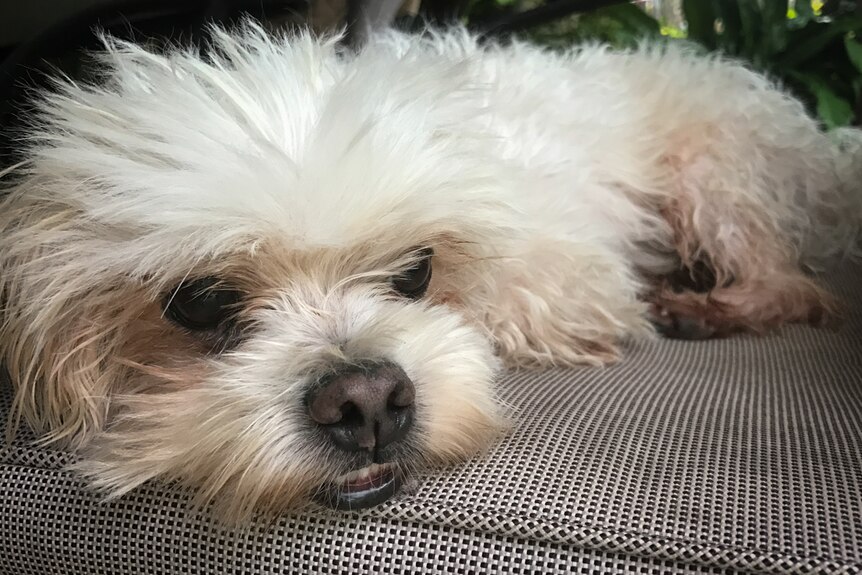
(558, 303)
(55, 329)
(61, 386)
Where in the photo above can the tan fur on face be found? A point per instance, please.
(65, 375)
(160, 401)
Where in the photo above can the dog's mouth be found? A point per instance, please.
(362, 488)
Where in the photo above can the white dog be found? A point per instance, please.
(218, 269)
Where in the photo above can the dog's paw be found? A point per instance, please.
(676, 326)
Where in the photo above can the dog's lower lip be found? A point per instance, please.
(363, 488)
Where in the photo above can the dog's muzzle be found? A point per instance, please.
(363, 408)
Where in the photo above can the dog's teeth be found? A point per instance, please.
(370, 470)
(364, 473)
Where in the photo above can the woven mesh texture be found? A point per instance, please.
(688, 457)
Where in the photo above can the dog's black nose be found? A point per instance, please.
(364, 408)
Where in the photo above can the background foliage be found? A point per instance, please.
(814, 48)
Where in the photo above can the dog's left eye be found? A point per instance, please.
(202, 304)
(413, 282)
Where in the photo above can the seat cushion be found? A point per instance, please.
(742, 454)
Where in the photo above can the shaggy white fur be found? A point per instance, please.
(558, 191)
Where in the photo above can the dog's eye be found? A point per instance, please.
(202, 304)
(413, 282)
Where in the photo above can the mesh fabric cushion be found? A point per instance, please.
(735, 455)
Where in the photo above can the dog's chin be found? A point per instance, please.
(361, 489)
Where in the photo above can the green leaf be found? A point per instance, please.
(854, 51)
(732, 38)
(804, 13)
(835, 111)
(621, 25)
(775, 29)
(832, 109)
(810, 48)
(700, 16)
(634, 19)
(749, 17)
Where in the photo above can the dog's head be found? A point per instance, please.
(251, 272)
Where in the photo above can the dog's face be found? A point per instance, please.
(283, 374)
(254, 277)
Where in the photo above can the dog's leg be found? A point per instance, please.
(558, 303)
(737, 237)
(757, 303)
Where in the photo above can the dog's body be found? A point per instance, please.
(569, 201)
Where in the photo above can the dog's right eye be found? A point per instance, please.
(413, 282)
(202, 304)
